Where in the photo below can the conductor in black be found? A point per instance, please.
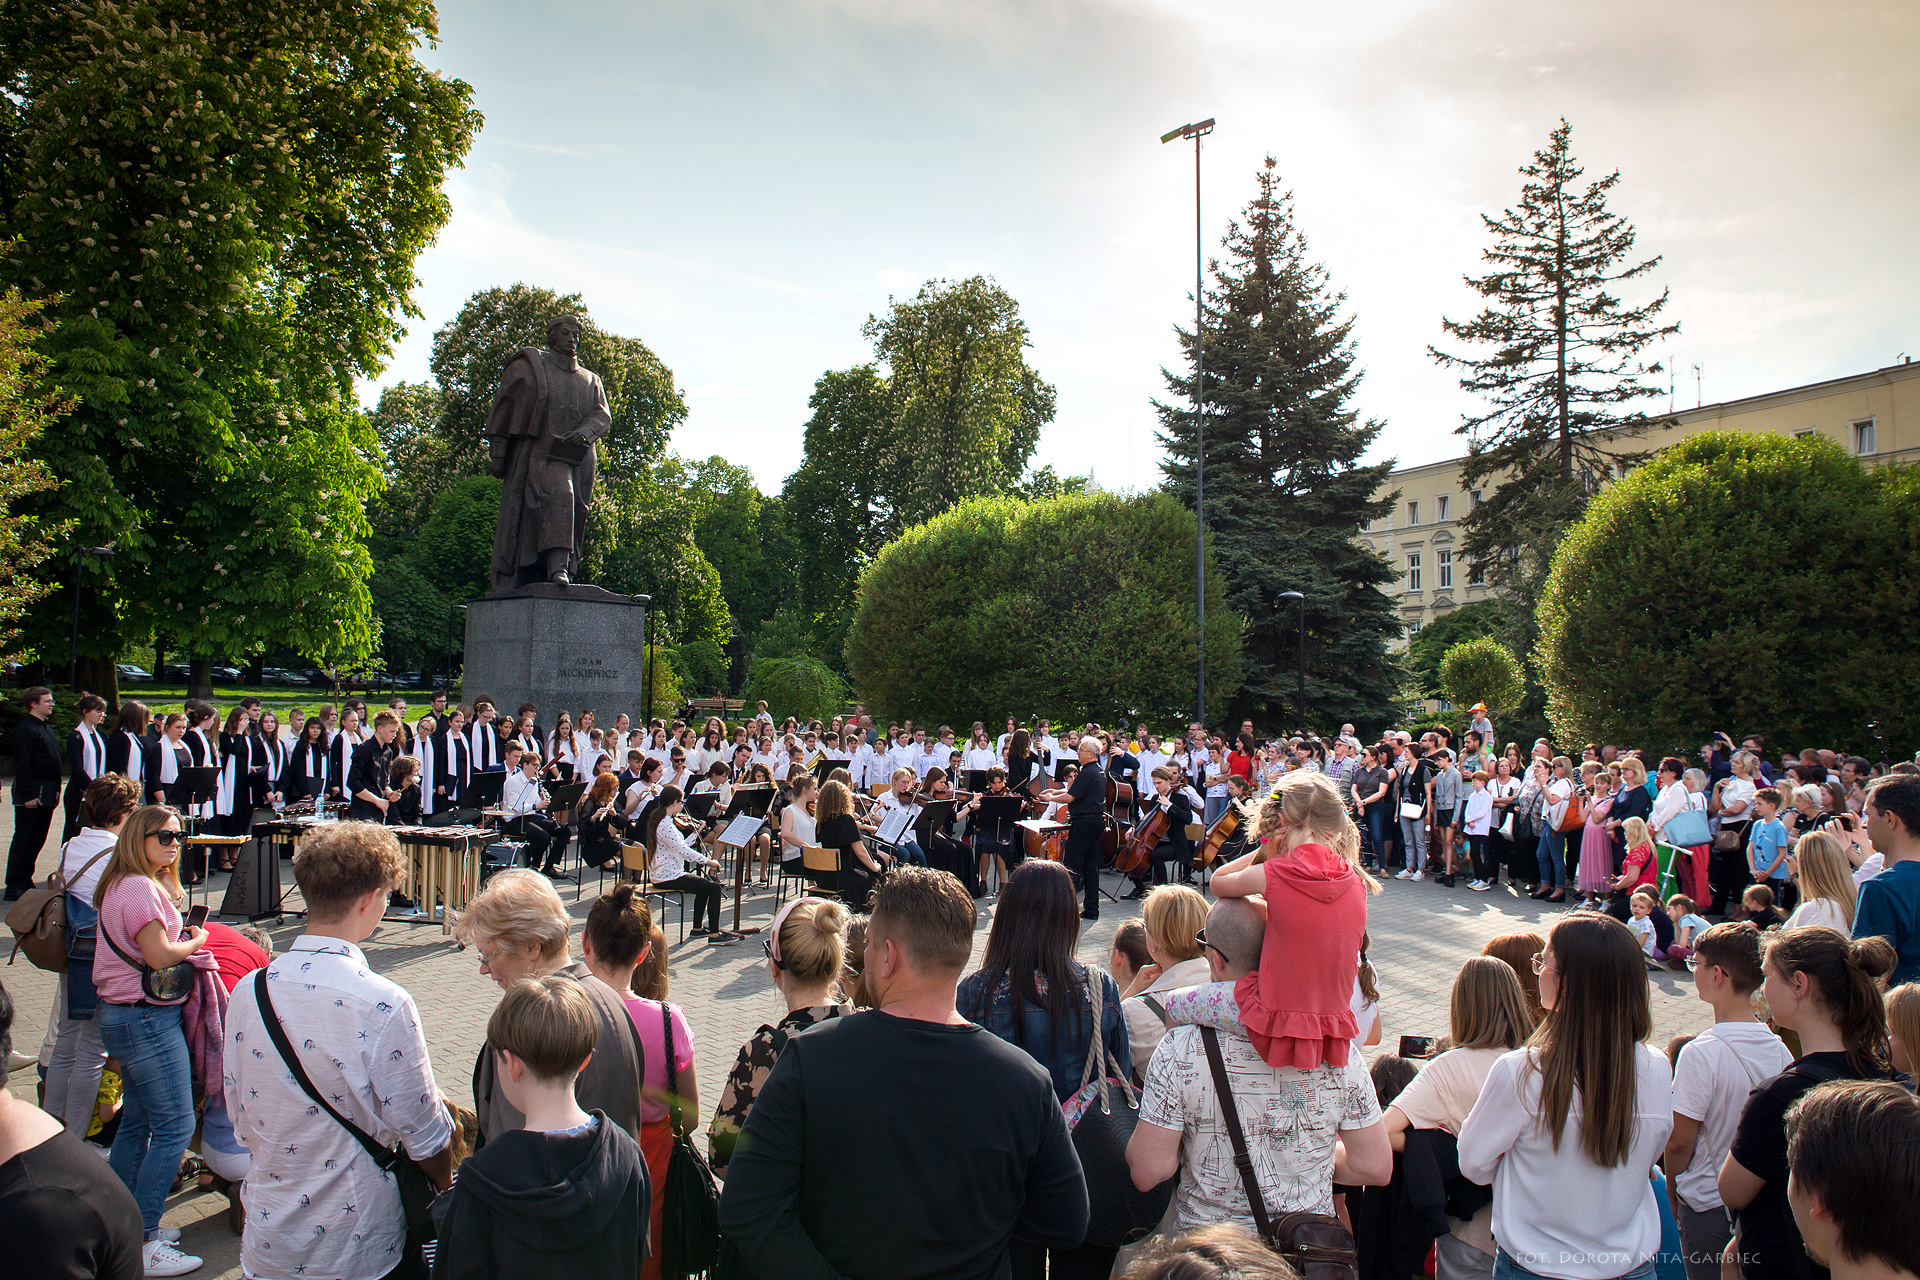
(1086, 801)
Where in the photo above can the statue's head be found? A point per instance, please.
(563, 334)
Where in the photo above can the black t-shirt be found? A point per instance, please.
(65, 1216)
(838, 833)
(1087, 796)
(958, 1129)
(1019, 771)
(1366, 782)
(1770, 1245)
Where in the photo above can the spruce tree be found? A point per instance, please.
(1559, 362)
(1286, 492)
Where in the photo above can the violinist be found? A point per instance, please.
(1174, 845)
(836, 828)
(944, 853)
(672, 862)
(796, 822)
(990, 843)
(603, 824)
(522, 798)
(759, 775)
(901, 797)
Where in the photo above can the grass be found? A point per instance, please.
(165, 698)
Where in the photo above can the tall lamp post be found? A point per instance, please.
(1197, 132)
(73, 641)
(1300, 695)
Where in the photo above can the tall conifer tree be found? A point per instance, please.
(1286, 492)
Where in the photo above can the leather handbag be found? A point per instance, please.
(162, 986)
(1315, 1243)
(690, 1221)
(1574, 816)
(39, 920)
(1685, 829)
(1121, 1213)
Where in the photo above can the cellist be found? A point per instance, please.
(1174, 845)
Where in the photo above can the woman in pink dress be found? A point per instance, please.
(1596, 842)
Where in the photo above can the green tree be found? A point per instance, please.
(640, 542)
(1286, 492)
(227, 203)
(784, 635)
(803, 687)
(1468, 622)
(1739, 583)
(418, 465)
(742, 533)
(705, 665)
(454, 548)
(1076, 608)
(27, 411)
(836, 501)
(1483, 670)
(1559, 360)
(416, 617)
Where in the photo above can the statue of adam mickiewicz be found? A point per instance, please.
(540, 434)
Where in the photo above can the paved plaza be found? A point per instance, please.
(1421, 934)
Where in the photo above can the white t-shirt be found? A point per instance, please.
(1736, 791)
(1717, 1070)
(1556, 1212)
(979, 758)
(1643, 929)
(1289, 1117)
(1819, 911)
(1365, 1014)
(86, 843)
(1875, 863)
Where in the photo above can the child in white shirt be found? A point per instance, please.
(1476, 823)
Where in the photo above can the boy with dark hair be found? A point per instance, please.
(1715, 1072)
(565, 1195)
(1853, 1150)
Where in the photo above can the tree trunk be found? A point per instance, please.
(200, 679)
(255, 674)
(159, 654)
(101, 676)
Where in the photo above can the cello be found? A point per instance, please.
(1218, 834)
(1138, 855)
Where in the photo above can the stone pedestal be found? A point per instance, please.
(575, 648)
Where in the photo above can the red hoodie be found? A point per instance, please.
(1297, 1006)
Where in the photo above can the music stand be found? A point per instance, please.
(699, 804)
(483, 791)
(999, 813)
(750, 800)
(825, 767)
(977, 779)
(934, 815)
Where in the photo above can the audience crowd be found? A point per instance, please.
(1196, 1102)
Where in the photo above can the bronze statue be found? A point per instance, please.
(540, 434)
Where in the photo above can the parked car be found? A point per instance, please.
(130, 673)
(174, 671)
(226, 675)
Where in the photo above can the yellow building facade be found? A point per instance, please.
(1875, 416)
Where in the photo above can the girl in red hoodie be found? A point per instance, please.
(1296, 1007)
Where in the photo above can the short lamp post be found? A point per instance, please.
(1300, 696)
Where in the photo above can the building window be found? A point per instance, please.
(1441, 704)
(1413, 629)
(1473, 499)
(1798, 435)
(1476, 576)
(1413, 514)
(1413, 570)
(1440, 507)
(1619, 469)
(1446, 568)
(1863, 437)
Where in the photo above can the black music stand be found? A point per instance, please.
(253, 890)
(483, 789)
(750, 800)
(997, 814)
(200, 783)
(977, 779)
(826, 767)
(698, 805)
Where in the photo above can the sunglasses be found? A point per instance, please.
(766, 945)
(1201, 938)
(169, 838)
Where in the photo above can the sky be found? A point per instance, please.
(741, 183)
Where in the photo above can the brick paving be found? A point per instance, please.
(1421, 934)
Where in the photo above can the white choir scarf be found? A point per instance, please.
(459, 766)
(486, 747)
(307, 758)
(136, 757)
(169, 753)
(231, 769)
(424, 753)
(93, 752)
(276, 754)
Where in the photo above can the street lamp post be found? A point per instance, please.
(1300, 694)
(73, 641)
(1197, 132)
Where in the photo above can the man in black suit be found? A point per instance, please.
(36, 788)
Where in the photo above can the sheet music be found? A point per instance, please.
(1040, 826)
(741, 831)
(894, 825)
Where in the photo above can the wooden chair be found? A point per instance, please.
(879, 789)
(815, 858)
(786, 873)
(636, 867)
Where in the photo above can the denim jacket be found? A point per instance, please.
(1065, 1058)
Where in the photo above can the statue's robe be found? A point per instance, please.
(543, 397)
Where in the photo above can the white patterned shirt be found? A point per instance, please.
(318, 1207)
(1290, 1118)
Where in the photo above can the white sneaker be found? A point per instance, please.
(162, 1259)
(1418, 876)
(1482, 887)
(1404, 874)
(170, 1234)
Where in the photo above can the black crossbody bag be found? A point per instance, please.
(416, 1189)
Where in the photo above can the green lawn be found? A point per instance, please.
(172, 696)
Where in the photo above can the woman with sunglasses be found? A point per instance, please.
(1567, 1129)
(140, 929)
(805, 948)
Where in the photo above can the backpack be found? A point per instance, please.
(39, 920)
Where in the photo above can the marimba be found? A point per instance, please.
(443, 867)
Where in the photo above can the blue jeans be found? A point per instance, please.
(910, 851)
(1377, 832)
(1215, 806)
(1505, 1268)
(1551, 854)
(157, 1095)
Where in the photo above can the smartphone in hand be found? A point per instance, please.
(1416, 1046)
(197, 916)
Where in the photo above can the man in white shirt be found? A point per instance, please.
(316, 1204)
(1304, 1129)
(522, 798)
(1715, 1072)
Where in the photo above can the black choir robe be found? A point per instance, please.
(368, 772)
(486, 748)
(271, 755)
(309, 771)
(452, 762)
(86, 760)
(127, 756)
(162, 766)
